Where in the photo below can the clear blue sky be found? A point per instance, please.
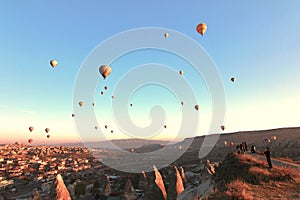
(256, 41)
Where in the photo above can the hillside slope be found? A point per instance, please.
(244, 176)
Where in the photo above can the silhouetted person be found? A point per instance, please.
(253, 149)
(268, 156)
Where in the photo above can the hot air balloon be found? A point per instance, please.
(112, 131)
(132, 150)
(181, 72)
(232, 79)
(105, 87)
(47, 130)
(102, 92)
(223, 127)
(105, 126)
(112, 97)
(30, 141)
(80, 103)
(201, 28)
(53, 63)
(48, 136)
(274, 137)
(231, 144)
(31, 128)
(73, 115)
(225, 143)
(197, 107)
(182, 103)
(165, 126)
(93, 104)
(96, 127)
(105, 71)
(166, 35)
(131, 104)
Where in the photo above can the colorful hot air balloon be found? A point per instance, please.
(48, 136)
(73, 115)
(181, 72)
(96, 127)
(223, 127)
(105, 126)
(102, 92)
(232, 79)
(166, 35)
(231, 144)
(201, 28)
(274, 137)
(93, 104)
(105, 71)
(131, 104)
(112, 131)
(80, 103)
(197, 107)
(30, 141)
(31, 128)
(132, 150)
(105, 87)
(53, 63)
(165, 126)
(47, 130)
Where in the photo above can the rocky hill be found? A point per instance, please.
(244, 176)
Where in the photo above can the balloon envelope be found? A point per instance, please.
(30, 141)
(197, 107)
(223, 127)
(181, 72)
(47, 130)
(80, 103)
(48, 136)
(105, 71)
(232, 79)
(201, 28)
(105, 87)
(31, 128)
(166, 35)
(53, 63)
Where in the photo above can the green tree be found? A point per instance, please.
(96, 187)
(80, 188)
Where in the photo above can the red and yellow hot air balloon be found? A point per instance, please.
(30, 141)
(201, 28)
(105, 71)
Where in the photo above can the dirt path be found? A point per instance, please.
(276, 162)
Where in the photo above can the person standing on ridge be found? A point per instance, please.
(268, 156)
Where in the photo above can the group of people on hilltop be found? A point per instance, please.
(242, 148)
